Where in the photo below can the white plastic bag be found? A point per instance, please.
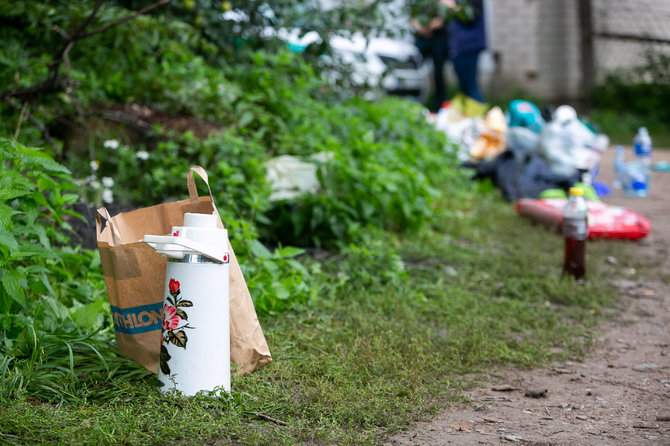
(290, 176)
(569, 145)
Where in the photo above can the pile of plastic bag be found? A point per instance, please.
(523, 151)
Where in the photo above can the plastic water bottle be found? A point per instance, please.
(642, 146)
(619, 168)
(636, 182)
(575, 233)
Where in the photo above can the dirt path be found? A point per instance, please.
(619, 396)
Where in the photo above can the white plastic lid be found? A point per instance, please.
(200, 220)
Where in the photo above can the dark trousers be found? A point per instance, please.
(437, 48)
(465, 66)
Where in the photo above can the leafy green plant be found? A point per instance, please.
(386, 168)
(625, 100)
(35, 192)
(53, 308)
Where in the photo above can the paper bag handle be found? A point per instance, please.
(190, 182)
(104, 213)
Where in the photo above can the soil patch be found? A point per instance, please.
(619, 396)
(130, 123)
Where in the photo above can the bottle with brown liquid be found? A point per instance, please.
(575, 232)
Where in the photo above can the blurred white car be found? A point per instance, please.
(392, 65)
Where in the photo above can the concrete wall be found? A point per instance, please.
(536, 46)
(537, 42)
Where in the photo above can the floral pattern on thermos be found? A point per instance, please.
(175, 320)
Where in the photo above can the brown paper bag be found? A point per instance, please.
(135, 276)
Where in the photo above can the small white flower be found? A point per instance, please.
(95, 184)
(94, 165)
(107, 196)
(108, 181)
(143, 155)
(111, 144)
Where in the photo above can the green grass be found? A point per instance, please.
(376, 353)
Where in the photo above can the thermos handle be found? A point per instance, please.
(215, 254)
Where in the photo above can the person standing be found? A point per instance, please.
(430, 37)
(467, 38)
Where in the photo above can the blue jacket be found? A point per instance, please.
(467, 37)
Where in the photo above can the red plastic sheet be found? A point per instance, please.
(605, 221)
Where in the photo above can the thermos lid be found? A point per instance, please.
(200, 220)
(199, 236)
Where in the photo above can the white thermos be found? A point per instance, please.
(195, 349)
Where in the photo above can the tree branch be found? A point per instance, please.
(53, 83)
(36, 122)
(124, 19)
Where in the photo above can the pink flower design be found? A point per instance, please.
(170, 318)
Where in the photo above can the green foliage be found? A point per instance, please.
(386, 169)
(63, 367)
(52, 297)
(183, 57)
(628, 99)
(35, 191)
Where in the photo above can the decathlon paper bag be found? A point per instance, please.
(135, 279)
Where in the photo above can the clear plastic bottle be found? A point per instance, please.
(642, 146)
(619, 168)
(575, 233)
(636, 182)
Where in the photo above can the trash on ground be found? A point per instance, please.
(661, 166)
(521, 151)
(604, 221)
(291, 176)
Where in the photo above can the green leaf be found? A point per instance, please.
(258, 249)
(6, 214)
(11, 282)
(184, 303)
(281, 291)
(27, 249)
(37, 158)
(289, 251)
(246, 119)
(87, 316)
(7, 239)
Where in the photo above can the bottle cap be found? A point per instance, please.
(576, 191)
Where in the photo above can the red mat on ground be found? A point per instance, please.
(605, 221)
